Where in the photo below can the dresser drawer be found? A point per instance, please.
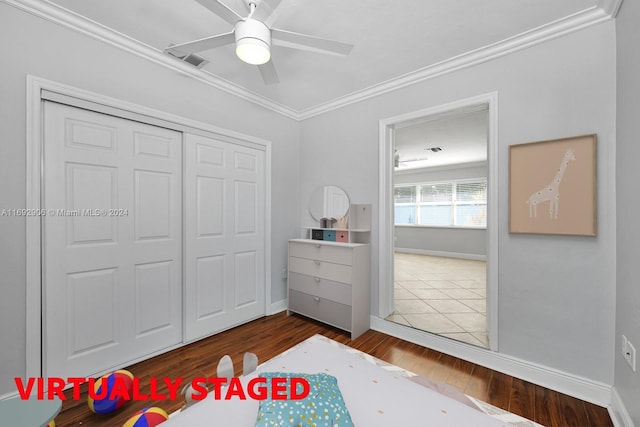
(328, 289)
(321, 309)
(321, 269)
(320, 252)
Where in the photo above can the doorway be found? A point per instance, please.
(441, 295)
(438, 235)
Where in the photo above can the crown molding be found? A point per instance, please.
(552, 30)
(605, 10)
(51, 12)
(610, 7)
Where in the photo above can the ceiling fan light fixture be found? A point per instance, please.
(253, 42)
(253, 51)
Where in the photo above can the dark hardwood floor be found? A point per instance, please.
(267, 337)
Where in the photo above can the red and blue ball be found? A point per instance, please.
(148, 417)
(111, 401)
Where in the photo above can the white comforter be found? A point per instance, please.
(375, 395)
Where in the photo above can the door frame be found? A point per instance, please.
(385, 208)
(37, 91)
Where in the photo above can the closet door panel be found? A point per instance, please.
(225, 235)
(112, 243)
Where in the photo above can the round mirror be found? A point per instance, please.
(328, 202)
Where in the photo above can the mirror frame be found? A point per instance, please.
(320, 203)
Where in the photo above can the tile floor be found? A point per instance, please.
(445, 296)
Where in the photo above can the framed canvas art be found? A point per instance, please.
(552, 187)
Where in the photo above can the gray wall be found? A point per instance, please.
(35, 46)
(556, 293)
(467, 241)
(627, 383)
(442, 241)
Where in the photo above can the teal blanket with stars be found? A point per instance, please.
(323, 406)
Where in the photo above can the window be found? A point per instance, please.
(461, 203)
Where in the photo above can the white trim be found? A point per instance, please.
(35, 88)
(550, 31)
(10, 395)
(34, 121)
(469, 165)
(618, 411)
(102, 103)
(493, 223)
(459, 255)
(591, 391)
(611, 7)
(196, 128)
(267, 228)
(605, 10)
(386, 223)
(279, 306)
(76, 22)
(386, 226)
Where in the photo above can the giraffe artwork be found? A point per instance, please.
(551, 192)
(564, 166)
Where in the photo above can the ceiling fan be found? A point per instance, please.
(254, 36)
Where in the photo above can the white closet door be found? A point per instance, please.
(112, 253)
(224, 235)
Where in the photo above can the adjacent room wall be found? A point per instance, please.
(446, 241)
(556, 293)
(465, 243)
(31, 45)
(627, 383)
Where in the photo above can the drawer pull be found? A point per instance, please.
(317, 279)
(317, 262)
(316, 299)
(318, 246)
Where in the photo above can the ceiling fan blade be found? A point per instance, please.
(309, 43)
(202, 44)
(265, 11)
(269, 74)
(222, 10)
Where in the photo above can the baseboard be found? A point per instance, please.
(618, 411)
(573, 385)
(277, 307)
(9, 395)
(475, 257)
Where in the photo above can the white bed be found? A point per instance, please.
(375, 393)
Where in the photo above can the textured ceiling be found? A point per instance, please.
(391, 38)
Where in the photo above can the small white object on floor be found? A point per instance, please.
(187, 393)
(225, 367)
(249, 363)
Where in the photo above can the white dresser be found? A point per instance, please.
(330, 282)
